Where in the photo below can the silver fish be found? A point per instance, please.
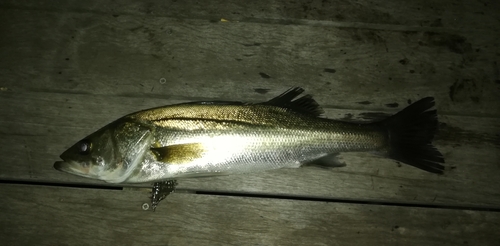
(218, 138)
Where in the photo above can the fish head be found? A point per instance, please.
(109, 154)
(90, 157)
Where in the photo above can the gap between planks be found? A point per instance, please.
(67, 216)
(145, 188)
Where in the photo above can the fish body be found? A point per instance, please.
(219, 138)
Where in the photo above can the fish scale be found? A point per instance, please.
(219, 138)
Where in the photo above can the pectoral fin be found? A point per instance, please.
(328, 161)
(178, 153)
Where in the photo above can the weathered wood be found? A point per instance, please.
(68, 216)
(68, 68)
(449, 14)
(94, 53)
(34, 136)
(89, 52)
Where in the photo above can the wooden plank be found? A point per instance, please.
(351, 69)
(37, 127)
(342, 66)
(449, 14)
(60, 64)
(69, 216)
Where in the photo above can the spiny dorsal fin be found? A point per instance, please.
(214, 103)
(305, 104)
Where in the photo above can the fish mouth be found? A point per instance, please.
(72, 168)
(59, 165)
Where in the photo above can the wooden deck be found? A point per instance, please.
(67, 69)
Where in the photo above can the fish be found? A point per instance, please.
(210, 138)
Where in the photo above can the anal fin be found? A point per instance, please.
(328, 161)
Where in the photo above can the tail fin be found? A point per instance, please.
(410, 135)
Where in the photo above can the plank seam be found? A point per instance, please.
(270, 196)
(350, 201)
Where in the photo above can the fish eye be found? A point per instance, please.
(84, 147)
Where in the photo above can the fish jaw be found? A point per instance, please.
(74, 168)
(89, 171)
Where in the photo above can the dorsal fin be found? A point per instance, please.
(214, 103)
(304, 105)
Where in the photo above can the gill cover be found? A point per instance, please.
(132, 140)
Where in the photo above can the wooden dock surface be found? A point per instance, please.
(67, 69)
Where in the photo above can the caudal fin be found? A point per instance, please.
(411, 132)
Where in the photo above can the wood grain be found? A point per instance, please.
(69, 216)
(68, 68)
(93, 53)
(450, 14)
(66, 73)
